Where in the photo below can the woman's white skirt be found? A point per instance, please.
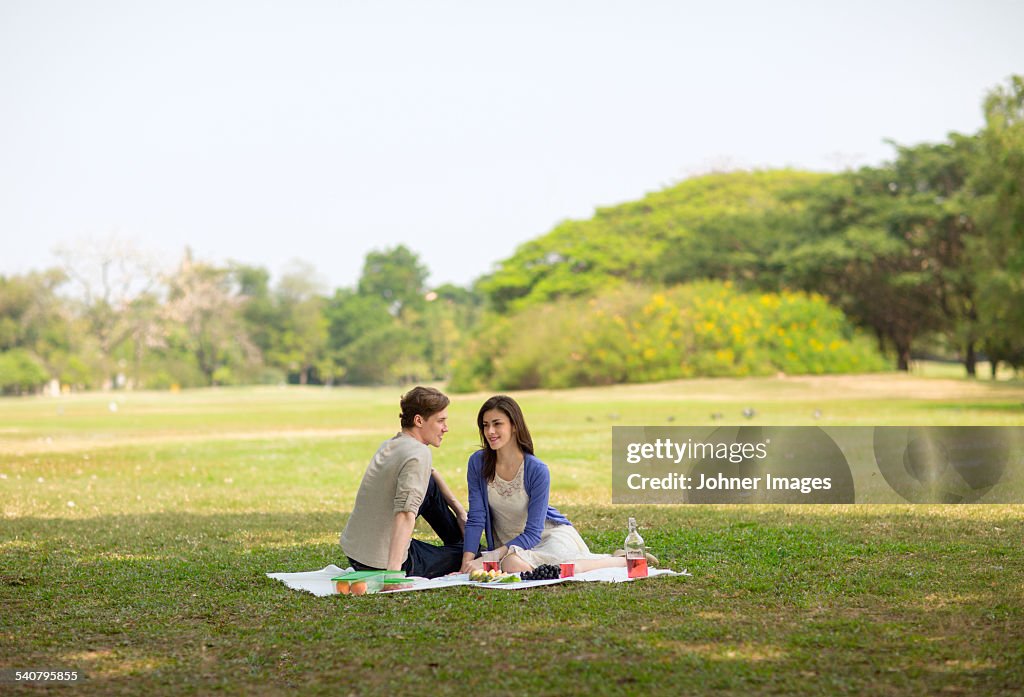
(558, 543)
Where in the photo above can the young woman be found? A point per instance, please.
(508, 501)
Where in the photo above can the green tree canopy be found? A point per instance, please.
(996, 187)
(717, 226)
(397, 276)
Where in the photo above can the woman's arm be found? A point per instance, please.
(476, 517)
(470, 562)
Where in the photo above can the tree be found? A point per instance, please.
(205, 309)
(929, 180)
(20, 372)
(996, 184)
(146, 330)
(301, 342)
(451, 315)
(351, 315)
(389, 354)
(575, 259)
(396, 276)
(34, 319)
(867, 250)
(259, 310)
(30, 309)
(721, 226)
(381, 333)
(110, 274)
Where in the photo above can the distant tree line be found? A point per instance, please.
(119, 324)
(925, 253)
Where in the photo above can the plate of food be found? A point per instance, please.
(481, 576)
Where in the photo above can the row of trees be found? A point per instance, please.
(925, 252)
(107, 318)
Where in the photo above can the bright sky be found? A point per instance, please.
(265, 132)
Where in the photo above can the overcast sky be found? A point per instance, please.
(264, 132)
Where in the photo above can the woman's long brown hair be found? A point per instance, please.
(508, 406)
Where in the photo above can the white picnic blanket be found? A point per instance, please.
(319, 583)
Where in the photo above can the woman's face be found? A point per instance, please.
(497, 429)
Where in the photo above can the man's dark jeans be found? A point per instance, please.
(430, 560)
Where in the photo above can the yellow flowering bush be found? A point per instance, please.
(638, 334)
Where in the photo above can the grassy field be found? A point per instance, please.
(137, 529)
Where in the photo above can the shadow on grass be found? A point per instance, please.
(795, 600)
(999, 407)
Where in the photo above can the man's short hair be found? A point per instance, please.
(422, 401)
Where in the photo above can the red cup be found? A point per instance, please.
(568, 569)
(492, 565)
(636, 568)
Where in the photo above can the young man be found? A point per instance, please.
(398, 486)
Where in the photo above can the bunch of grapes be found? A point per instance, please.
(543, 572)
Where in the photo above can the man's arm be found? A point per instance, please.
(449, 498)
(401, 533)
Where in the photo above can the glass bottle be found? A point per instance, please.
(636, 554)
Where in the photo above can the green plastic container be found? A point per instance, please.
(395, 583)
(362, 582)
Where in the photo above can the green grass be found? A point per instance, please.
(153, 581)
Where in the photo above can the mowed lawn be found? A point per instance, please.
(137, 528)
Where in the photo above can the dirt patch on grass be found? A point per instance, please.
(784, 387)
(907, 387)
(116, 440)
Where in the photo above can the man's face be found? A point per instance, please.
(434, 428)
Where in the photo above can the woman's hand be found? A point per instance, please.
(462, 517)
(471, 565)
